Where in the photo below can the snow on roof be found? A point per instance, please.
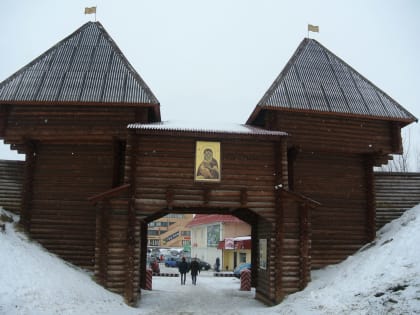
(242, 238)
(207, 127)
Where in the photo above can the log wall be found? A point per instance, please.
(395, 193)
(339, 225)
(164, 175)
(73, 152)
(69, 123)
(61, 218)
(316, 132)
(330, 161)
(11, 179)
(117, 261)
(164, 181)
(265, 280)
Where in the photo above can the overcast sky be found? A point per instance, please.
(214, 60)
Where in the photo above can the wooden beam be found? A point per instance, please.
(109, 193)
(279, 232)
(130, 267)
(27, 194)
(170, 197)
(396, 140)
(299, 198)
(4, 113)
(304, 238)
(244, 197)
(102, 241)
(370, 198)
(292, 154)
(143, 254)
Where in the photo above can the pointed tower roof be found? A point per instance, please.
(85, 67)
(316, 80)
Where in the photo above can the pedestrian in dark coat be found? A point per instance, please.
(183, 269)
(195, 269)
(217, 265)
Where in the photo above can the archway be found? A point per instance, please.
(226, 224)
(163, 177)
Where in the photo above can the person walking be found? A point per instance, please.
(183, 268)
(217, 265)
(195, 269)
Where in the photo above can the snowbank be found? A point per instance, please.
(383, 277)
(33, 281)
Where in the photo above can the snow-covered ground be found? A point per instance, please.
(382, 278)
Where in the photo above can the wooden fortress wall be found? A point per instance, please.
(395, 193)
(331, 161)
(11, 180)
(72, 153)
(164, 181)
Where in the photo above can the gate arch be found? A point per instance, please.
(160, 173)
(245, 215)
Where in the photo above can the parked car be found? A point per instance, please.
(204, 265)
(237, 271)
(170, 261)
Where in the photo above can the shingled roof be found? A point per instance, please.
(316, 80)
(85, 67)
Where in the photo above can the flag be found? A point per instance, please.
(90, 10)
(313, 28)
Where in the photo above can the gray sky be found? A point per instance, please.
(214, 60)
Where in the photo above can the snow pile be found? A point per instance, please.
(382, 278)
(33, 281)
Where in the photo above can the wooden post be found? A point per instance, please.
(131, 224)
(130, 252)
(143, 254)
(30, 164)
(118, 150)
(102, 242)
(244, 197)
(370, 199)
(254, 254)
(279, 233)
(304, 245)
(292, 154)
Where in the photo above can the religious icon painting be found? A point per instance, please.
(207, 161)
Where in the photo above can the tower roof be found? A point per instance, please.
(316, 80)
(85, 67)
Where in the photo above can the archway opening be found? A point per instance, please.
(220, 239)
